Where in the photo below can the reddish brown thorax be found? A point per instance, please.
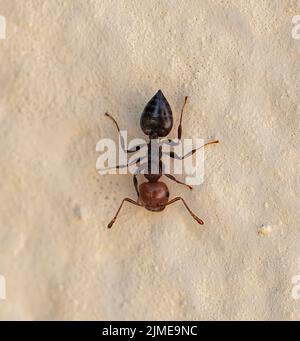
(154, 195)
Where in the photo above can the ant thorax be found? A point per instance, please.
(154, 156)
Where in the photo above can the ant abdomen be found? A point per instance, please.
(157, 118)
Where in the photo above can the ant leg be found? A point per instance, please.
(124, 166)
(199, 221)
(141, 170)
(175, 156)
(180, 122)
(179, 182)
(135, 182)
(115, 217)
(161, 171)
(179, 131)
(135, 149)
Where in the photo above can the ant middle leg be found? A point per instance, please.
(173, 155)
(123, 166)
(199, 221)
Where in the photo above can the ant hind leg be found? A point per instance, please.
(135, 149)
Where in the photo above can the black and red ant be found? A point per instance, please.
(156, 122)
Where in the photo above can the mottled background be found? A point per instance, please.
(62, 65)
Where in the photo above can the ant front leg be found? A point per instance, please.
(171, 177)
(135, 183)
(179, 182)
(118, 211)
(198, 220)
(135, 149)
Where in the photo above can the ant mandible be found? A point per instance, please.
(156, 122)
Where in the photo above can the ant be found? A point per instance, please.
(156, 122)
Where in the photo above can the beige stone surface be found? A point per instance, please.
(62, 65)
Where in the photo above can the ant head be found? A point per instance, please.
(157, 118)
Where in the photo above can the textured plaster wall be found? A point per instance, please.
(62, 65)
